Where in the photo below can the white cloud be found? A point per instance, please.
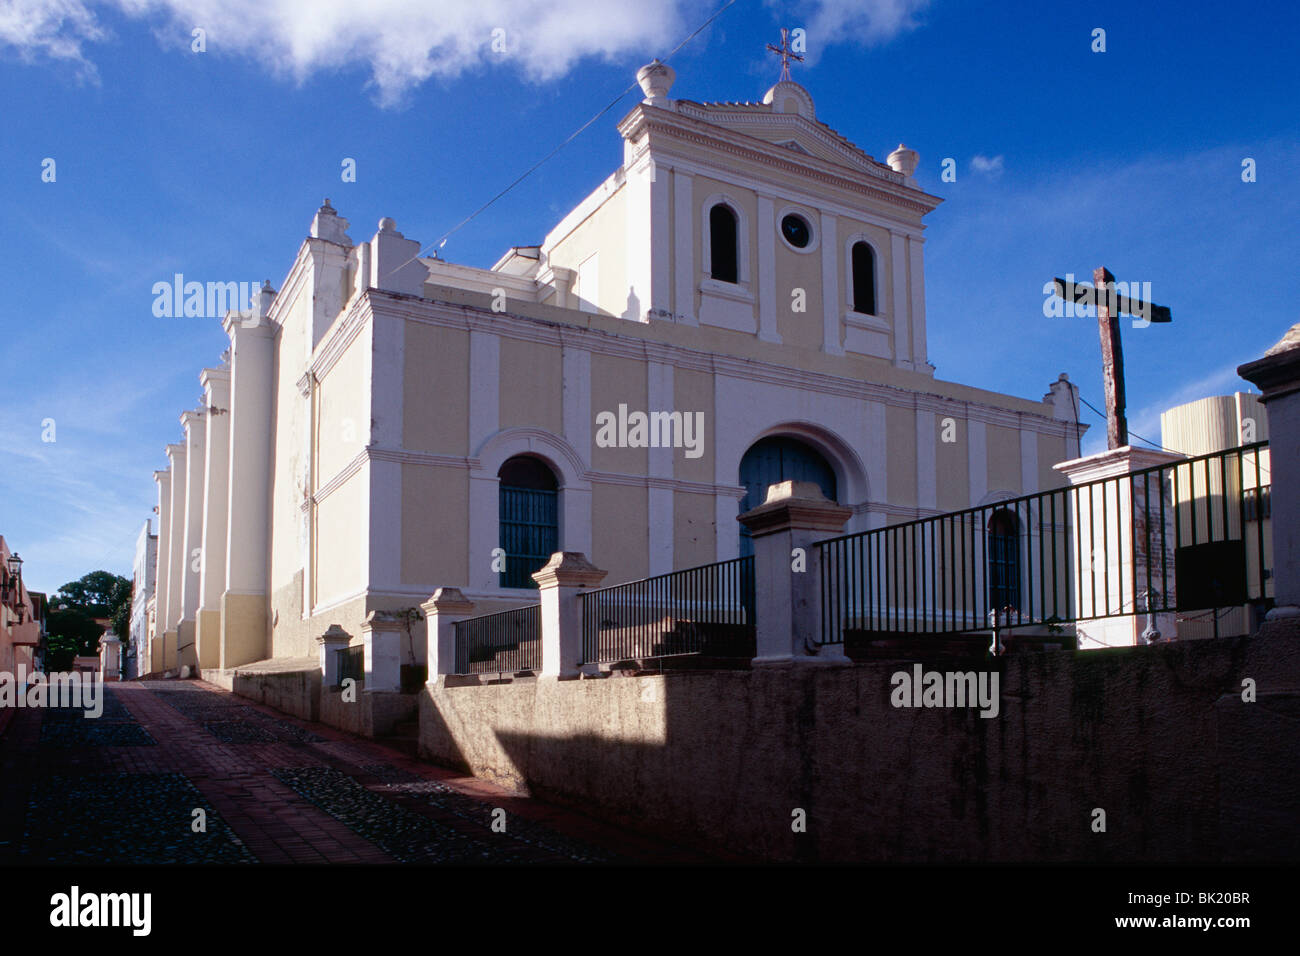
(862, 21)
(991, 167)
(402, 43)
(56, 29)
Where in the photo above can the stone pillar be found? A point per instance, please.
(788, 603)
(563, 578)
(443, 609)
(175, 547)
(110, 658)
(162, 559)
(1108, 552)
(382, 633)
(1277, 375)
(244, 609)
(192, 550)
(334, 639)
(216, 482)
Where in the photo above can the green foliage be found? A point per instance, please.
(120, 618)
(71, 632)
(59, 652)
(97, 593)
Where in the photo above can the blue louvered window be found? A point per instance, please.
(529, 518)
(1004, 560)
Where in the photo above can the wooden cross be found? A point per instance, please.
(785, 53)
(1109, 307)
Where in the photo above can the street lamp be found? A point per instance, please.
(12, 593)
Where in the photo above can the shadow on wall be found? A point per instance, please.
(1157, 737)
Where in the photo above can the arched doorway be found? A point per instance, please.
(529, 519)
(780, 458)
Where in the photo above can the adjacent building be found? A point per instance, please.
(21, 623)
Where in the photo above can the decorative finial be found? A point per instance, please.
(786, 53)
(656, 80)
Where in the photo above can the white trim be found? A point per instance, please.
(831, 334)
(927, 477)
(684, 247)
(484, 386)
(897, 298)
(916, 270)
(977, 459)
(767, 329)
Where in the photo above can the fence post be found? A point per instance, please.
(330, 643)
(564, 577)
(444, 608)
(1117, 615)
(382, 633)
(788, 603)
(1277, 375)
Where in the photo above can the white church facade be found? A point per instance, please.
(741, 302)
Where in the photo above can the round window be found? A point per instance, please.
(796, 231)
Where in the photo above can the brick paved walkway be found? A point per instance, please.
(125, 787)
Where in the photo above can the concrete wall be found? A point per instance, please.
(1156, 736)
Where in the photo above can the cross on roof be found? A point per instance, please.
(785, 53)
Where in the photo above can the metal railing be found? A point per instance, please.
(351, 664)
(707, 611)
(1109, 547)
(505, 642)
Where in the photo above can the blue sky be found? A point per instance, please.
(212, 164)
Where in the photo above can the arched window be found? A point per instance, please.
(723, 244)
(864, 278)
(770, 460)
(1004, 560)
(529, 518)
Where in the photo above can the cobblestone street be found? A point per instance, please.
(124, 788)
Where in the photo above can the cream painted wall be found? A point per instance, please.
(694, 530)
(605, 230)
(1051, 450)
(341, 536)
(618, 545)
(616, 381)
(693, 392)
(435, 524)
(901, 438)
(342, 399)
(952, 462)
(435, 382)
(1004, 460)
(531, 379)
(288, 448)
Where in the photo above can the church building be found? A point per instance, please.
(741, 302)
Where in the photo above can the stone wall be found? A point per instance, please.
(1158, 737)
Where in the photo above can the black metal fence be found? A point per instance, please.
(506, 642)
(351, 664)
(1188, 535)
(707, 611)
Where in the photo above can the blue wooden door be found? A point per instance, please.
(770, 460)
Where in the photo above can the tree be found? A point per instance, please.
(97, 593)
(120, 618)
(71, 632)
